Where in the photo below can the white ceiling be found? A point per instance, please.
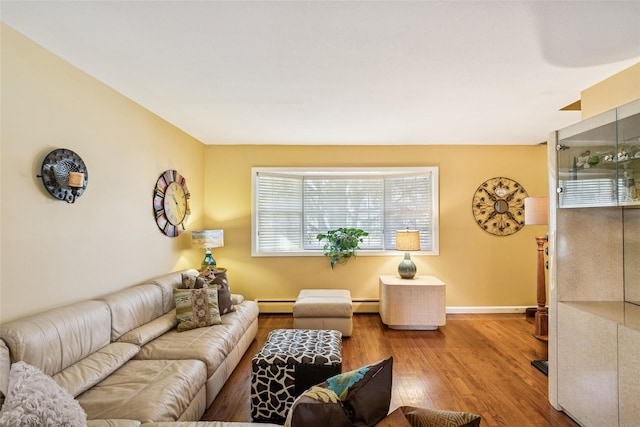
(344, 72)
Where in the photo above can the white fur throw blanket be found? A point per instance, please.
(34, 399)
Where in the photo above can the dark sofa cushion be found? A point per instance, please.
(357, 398)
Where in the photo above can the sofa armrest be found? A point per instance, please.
(237, 299)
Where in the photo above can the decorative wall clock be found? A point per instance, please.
(171, 203)
(498, 206)
(64, 175)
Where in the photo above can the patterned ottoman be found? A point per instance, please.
(291, 361)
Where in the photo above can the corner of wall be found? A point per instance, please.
(619, 89)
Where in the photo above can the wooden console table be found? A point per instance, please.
(417, 303)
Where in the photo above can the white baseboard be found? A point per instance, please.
(269, 306)
(492, 309)
(369, 305)
(366, 306)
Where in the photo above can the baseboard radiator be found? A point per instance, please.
(371, 305)
(274, 306)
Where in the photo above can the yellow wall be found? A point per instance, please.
(52, 252)
(480, 269)
(612, 92)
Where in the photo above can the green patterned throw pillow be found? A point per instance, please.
(196, 308)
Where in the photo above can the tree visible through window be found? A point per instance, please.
(291, 206)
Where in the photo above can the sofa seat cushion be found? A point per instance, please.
(210, 345)
(83, 375)
(323, 303)
(146, 390)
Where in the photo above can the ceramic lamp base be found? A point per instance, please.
(407, 268)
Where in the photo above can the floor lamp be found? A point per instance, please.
(536, 212)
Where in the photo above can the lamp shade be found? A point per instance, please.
(408, 240)
(207, 239)
(536, 210)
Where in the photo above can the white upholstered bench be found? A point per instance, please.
(324, 309)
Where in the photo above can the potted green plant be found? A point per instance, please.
(342, 243)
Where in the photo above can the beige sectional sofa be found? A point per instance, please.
(122, 359)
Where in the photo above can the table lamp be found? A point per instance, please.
(407, 240)
(208, 239)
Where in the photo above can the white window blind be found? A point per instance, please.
(409, 204)
(291, 206)
(587, 192)
(279, 213)
(332, 202)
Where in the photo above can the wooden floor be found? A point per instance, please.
(476, 363)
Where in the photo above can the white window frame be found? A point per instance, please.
(348, 172)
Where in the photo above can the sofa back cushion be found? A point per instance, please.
(150, 331)
(58, 338)
(133, 307)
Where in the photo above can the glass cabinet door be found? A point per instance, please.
(628, 121)
(599, 160)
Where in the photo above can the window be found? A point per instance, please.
(291, 206)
